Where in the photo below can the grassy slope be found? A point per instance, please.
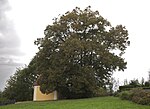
(94, 103)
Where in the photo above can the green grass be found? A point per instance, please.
(93, 103)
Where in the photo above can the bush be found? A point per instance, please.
(147, 84)
(5, 101)
(141, 96)
(135, 99)
(136, 95)
(144, 101)
(116, 94)
(101, 92)
(126, 95)
(1, 93)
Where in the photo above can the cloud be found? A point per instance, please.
(9, 45)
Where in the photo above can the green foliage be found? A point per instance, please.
(135, 84)
(5, 101)
(141, 96)
(1, 94)
(112, 86)
(126, 88)
(76, 56)
(137, 95)
(2, 100)
(136, 92)
(116, 94)
(20, 86)
(147, 84)
(126, 95)
(101, 92)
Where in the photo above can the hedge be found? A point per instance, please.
(137, 95)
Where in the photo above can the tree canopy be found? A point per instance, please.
(78, 53)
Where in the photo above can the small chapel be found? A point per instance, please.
(39, 96)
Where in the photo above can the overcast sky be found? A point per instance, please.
(22, 21)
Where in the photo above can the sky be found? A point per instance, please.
(23, 21)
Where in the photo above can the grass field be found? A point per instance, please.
(93, 103)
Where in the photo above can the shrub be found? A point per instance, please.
(1, 93)
(126, 95)
(101, 92)
(137, 95)
(5, 101)
(116, 94)
(141, 96)
(144, 101)
(136, 99)
(147, 84)
(141, 100)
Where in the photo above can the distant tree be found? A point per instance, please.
(149, 76)
(134, 83)
(142, 81)
(125, 82)
(0, 94)
(77, 54)
(116, 85)
(20, 86)
(112, 85)
(147, 84)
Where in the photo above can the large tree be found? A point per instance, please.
(79, 52)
